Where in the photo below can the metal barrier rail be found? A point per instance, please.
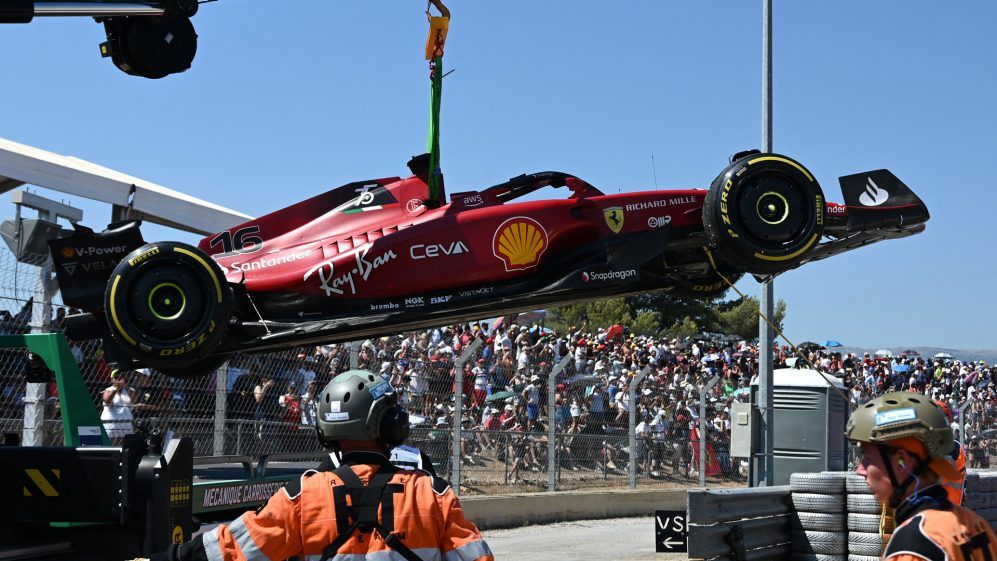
(739, 524)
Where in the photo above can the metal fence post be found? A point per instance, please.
(238, 438)
(221, 403)
(551, 428)
(34, 415)
(458, 409)
(354, 354)
(632, 394)
(963, 421)
(702, 428)
(505, 456)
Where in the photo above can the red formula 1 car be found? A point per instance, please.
(378, 256)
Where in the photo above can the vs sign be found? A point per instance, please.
(671, 530)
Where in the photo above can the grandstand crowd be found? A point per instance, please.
(506, 387)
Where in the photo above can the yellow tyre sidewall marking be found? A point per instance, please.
(785, 161)
(214, 278)
(114, 312)
(796, 253)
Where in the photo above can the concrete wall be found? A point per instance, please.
(509, 511)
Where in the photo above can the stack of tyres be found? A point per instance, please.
(818, 525)
(981, 494)
(869, 527)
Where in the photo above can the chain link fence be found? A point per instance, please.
(520, 411)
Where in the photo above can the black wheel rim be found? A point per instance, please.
(168, 302)
(774, 210)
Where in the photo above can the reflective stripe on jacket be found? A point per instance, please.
(300, 520)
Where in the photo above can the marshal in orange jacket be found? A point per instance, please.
(301, 520)
(936, 530)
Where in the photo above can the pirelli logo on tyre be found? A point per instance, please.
(143, 256)
(724, 214)
(707, 287)
(41, 482)
(820, 210)
(176, 351)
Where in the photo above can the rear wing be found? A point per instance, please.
(878, 199)
(880, 207)
(84, 261)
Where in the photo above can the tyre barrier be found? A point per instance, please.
(818, 499)
(981, 494)
(864, 519)
(827, 516)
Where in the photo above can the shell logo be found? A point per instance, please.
(67, 252)
(519, 242)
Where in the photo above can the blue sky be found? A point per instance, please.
(282, 104)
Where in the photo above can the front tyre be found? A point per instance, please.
(168, 304)
(710, 285)
(763, 213)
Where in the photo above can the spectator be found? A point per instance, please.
(117, 412)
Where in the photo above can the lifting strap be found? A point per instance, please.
(359, 514)
(438, 27)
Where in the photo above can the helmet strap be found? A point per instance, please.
(899, 489)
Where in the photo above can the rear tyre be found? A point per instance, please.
(763, 213)
(198, 369)
(168, 304)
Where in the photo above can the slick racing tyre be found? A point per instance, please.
(763, 213)
(709, 285)
(168, 304)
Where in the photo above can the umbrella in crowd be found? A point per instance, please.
(887, 353)
(809, 346)
(910, 352)
(943, 355)
(497, 396)
(901, 367)
(831, 343)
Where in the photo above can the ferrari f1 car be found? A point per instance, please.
(380, 256)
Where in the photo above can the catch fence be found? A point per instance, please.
(522, 417)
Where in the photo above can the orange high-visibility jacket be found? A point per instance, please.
(300, 520)
(956, 487)
(941, 532)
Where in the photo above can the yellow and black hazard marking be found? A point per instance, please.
(42, 482)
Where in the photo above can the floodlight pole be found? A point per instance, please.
(767, 292)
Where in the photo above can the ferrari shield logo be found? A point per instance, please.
(614, 218)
